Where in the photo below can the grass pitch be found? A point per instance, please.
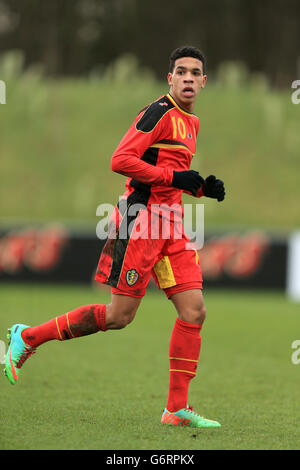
(107, 391)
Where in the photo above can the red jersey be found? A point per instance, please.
(161, 139)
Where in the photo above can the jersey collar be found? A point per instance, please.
(177, 105)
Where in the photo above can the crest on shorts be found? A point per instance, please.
(132, 276)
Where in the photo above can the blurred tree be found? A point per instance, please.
(74, 37)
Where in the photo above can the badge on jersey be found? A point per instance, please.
(132, 276)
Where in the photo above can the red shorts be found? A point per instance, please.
(127, 262)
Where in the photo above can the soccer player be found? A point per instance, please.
(155, 156)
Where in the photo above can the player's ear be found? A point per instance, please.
(170, 78)
(204, 81)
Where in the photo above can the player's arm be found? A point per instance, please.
(126, 159)
(148, 129)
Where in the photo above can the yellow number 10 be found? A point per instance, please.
(178, 127)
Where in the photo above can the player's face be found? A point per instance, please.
(186, 81)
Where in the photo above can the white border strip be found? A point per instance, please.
(293, 267)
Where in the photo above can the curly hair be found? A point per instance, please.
(187, 51)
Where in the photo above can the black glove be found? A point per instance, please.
(212, 187)
(189, 180)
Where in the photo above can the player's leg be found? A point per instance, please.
(190, 306)
(179, 274)
(84, 320)
(184, 351)
(184, 346)
(119, 266)
(121, 311)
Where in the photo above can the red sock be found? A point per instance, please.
(80, 322)
(184, 353)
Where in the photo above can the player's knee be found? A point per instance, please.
(124, 320)
(201, 314)
(195, 314)
(119, 319)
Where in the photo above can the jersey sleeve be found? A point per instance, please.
(149, 127)
(200, 191)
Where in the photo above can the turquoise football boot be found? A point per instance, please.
(188, 417)
(18, 352)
